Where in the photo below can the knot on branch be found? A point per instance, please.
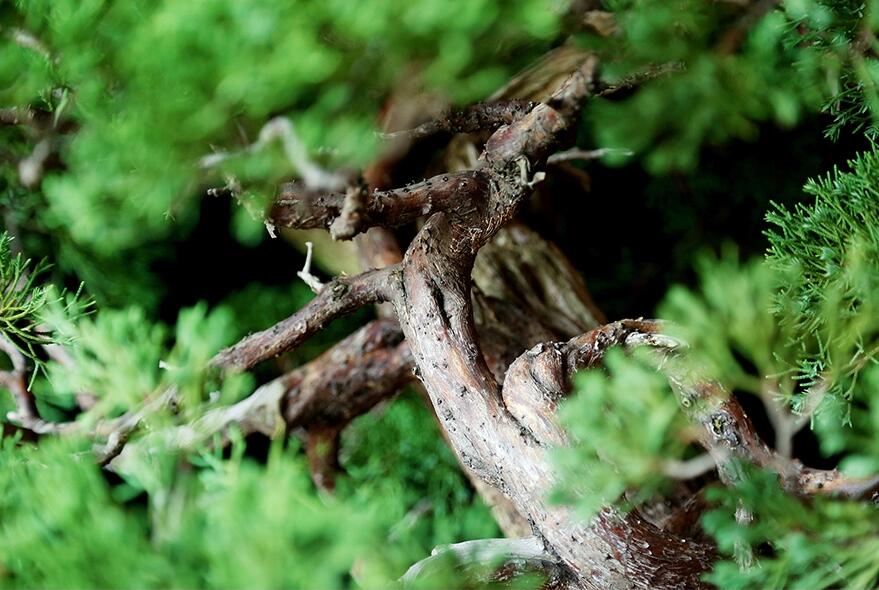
(350, 221)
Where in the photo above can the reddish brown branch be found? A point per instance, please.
(352, 377)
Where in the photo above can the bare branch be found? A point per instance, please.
(690, 468)
(339, 297)
(16, 116)
(16, 381)
(727, 433)
(581, 154)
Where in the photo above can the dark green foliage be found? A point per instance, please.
(733, 66)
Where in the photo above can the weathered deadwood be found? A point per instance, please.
(492, 560)
(539, 379)
(520, 267)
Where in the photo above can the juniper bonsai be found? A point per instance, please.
(312, 294)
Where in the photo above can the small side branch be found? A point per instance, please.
(314, 283)
(16, 382)
(317, 399)
(16, 116)
(339, 297)
(728, 433)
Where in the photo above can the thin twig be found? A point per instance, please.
(314, 283)
(281, 129)
(581, 154)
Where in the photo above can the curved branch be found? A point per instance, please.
(490, 560)
(727, 432)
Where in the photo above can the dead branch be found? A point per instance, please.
(16, 116)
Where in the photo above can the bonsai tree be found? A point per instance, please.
(312, 294)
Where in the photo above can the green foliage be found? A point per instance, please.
(234, 524)
(398, 453)
(849, 426)
(606, 459)
(831, 246)
(736, 67)
(61, 518)
(115, 357)
(22, 300)
(121, 358)
(61, 528)
(270, 518)
(825, 543)
(183, 78)
(730, 326)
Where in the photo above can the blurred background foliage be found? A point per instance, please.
(776, 292)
